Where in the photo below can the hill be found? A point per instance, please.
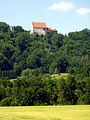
(23, 56)
(52, 53)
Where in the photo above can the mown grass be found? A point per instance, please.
(70, 112)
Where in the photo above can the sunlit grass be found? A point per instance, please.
(78, 112)
(58, 76)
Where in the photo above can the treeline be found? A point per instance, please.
(25, 59)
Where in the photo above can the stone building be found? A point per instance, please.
(40, 28)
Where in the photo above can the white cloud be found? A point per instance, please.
(62, 6)
(83, 11)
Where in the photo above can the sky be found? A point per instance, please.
(64, 15)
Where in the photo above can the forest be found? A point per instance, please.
(28, 62)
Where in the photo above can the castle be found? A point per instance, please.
(40, 28)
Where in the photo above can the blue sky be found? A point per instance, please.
(63, 15)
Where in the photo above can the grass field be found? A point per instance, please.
(78, 112)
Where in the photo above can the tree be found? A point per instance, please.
(33, 61)
(4, 27)
(17, 29)
(66, 90)
(2, 93)
(83, 91)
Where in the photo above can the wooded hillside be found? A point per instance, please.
(25, 59)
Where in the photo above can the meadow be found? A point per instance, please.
(67, 112)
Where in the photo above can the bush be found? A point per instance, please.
(6, 101)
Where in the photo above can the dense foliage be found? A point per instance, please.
(25, 61)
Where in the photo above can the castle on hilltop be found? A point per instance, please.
(40, 28)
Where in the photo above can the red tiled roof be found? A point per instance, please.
(54, 30)
(39, 25)
(49, 29)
